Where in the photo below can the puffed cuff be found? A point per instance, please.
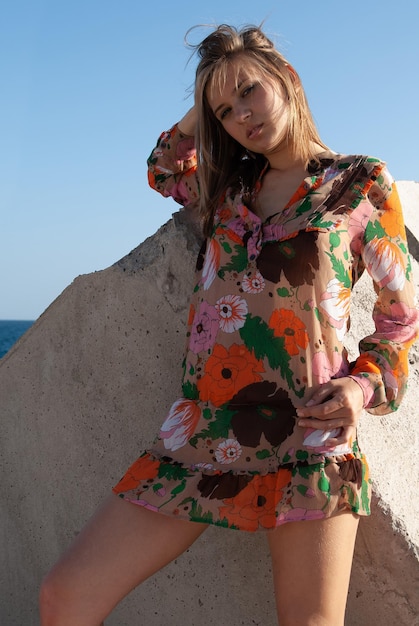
(367, 389)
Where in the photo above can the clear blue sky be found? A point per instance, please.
(87, 86)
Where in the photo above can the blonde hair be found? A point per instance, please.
(222, 161)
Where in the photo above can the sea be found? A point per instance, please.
(10, 331)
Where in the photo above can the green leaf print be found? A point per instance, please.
(305, 471)
(304, 206)
(224, 523)
(334, 240)
(300, 393)
(238, 262)
(393, 405)
(408, 268)
(317, 222)
(365, 493)
(258, 337)
(324, 484)
(302, 455)
(302, 489)
(218, 429)
(227, 247)
(196, 514)
(263, 454)
(373, 231)
(179, 488)
(283, 292)
(384, 354)
(341, 273)
(172, 471)
(160, 178)
(207, 414)
(190, 391)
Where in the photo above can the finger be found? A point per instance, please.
(327, 423)
(346, 437)
(334, 441)
(321, 411)
(321, 395)
(318, 424)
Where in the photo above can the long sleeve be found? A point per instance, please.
(382, 367)
(172, 167)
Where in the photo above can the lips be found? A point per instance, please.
(253, 132)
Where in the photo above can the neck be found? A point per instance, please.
(285, 159)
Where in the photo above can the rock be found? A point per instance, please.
(84, 392)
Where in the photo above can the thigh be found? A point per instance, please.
(121, 546)
(311, 564)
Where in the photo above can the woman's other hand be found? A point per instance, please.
(337, 404)
(187, 124)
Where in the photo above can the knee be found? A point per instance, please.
(50, 600)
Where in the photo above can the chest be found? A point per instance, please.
(278, 188)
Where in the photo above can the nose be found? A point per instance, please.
(242, 113)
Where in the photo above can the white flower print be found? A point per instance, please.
(180, 423)
(253, 282)
(228, 451)
(211, 264)
(232, 311)
(385, 263)
(336, 303)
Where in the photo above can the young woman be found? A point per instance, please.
(264, 437)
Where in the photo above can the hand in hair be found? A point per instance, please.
(187, 124)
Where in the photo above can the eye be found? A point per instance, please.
(224, 113)
(248, 89)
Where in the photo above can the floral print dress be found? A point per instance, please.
(266, 328)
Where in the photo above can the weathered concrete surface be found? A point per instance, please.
(84, 392)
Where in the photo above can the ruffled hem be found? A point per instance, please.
(249, 501)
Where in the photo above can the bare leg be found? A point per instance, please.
(311, 567)
(121, 546)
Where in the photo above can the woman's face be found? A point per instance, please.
(252, 111)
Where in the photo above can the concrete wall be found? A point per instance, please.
(84, 392)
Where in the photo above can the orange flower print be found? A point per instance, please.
(254, 506)
(226, 230)
(228, 451)
(223, 214)
(287, 325)
(180, 424)
(253, 282)
(392, 218)
(191, 314)
(385, 263)
(144, 468)
(226, 372)
(232, 311)
(335, 301)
